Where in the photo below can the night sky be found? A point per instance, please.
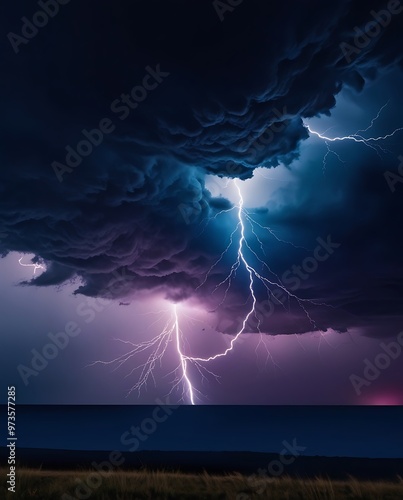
(213, 213)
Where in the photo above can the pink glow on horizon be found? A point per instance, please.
(389, 399)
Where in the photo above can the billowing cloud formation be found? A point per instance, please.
(136, 204)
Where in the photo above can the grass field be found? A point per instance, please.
(160, 485)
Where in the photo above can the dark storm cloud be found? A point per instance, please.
(122, 208)
(361, 280)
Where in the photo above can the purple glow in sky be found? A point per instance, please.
(231, 239)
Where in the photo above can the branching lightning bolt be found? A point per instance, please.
(171, 335)
(157, 346)
(370, 142)
(171, 332)
(329, 152)
(157, 349)
(355, 137)
(253, 274)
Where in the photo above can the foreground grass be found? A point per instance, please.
(161, 485)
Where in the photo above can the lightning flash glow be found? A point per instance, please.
(171, 332)
(156, 348)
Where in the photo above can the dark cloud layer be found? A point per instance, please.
(136, 205)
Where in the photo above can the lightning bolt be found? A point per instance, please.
(328, 153)
(157, 346)
(374, 119)
(183, 359)
(251, 272)
(171, 332)
(34, 265)
(253, 275)
(354, 137)
(370, 142)
(156, 349)
(171, 335)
